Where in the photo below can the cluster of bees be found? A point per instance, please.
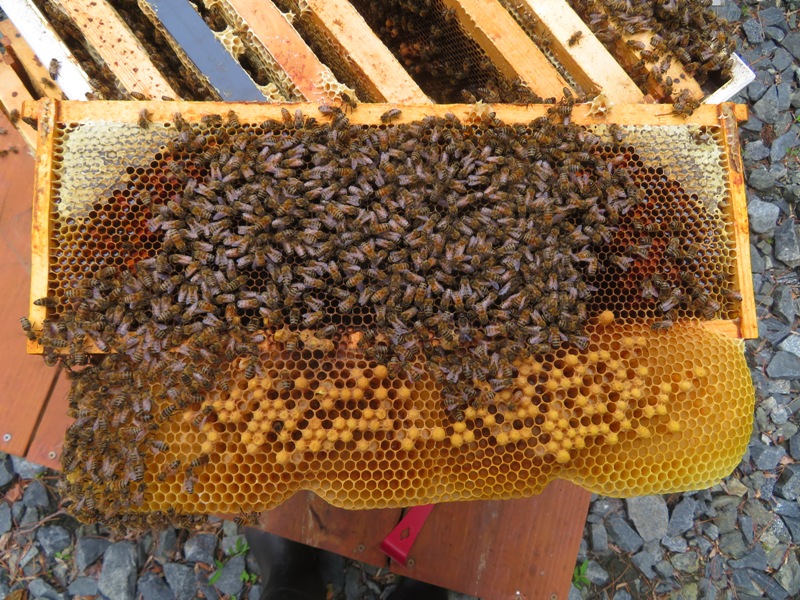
(684, 30)
(427, 38)
(465, 244)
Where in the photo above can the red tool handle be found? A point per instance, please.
(398, 543)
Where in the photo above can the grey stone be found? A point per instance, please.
(26, 469)
(781, 145)
(756, 260)
(353, 587)
(88, 550)
(230, 544)
(785, 508)
(767, 107)
(230, 579)
(29, 518)
(787, 246)
(83, 586)
(773, 16)
(761, 179)
(788, 576)
(711, 531)
(36, 495)
(744, 583)
(118, 576)
(781, 60)
(779, 415)
(165, 545)
(29, 555)
(769, 586)
(5, 518)
(650, 516)
(153, 587)
(747, 529)
(753, 30)
(767, 458)
(664, 568)
(763, 215)
(784, 101)
(792, 43)
(181, 580)
(794, 447)
(622, 595)
(682, 517)
(254, 593)
(596, 574)
(755, 151)
(687, 592)
(755, 559)
(674, 544)
(644, 561)
(791, 344)
(789, 484)
(39, 588)
(6, 470)
(623, 534)
(53, 539)
(599, 538)
(204, 588)
(784, 366)
(732, 544)
(687, 562)
(604, 506)
(201, 548)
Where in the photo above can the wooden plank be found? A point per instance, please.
(41, 38)
(500, 550)
(372, 63)
(24, 381)
(587, 60)
(748, 323)
(41, 223)
(37, 73)
(48, 439)
(369, 113)
(197, 45)
(118, 47)
(12, 95)
(508, 46)
(357, 534)
(275, 37)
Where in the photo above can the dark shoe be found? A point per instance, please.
(289, 570)
(411, 589)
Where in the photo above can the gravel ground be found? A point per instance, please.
(736, 540)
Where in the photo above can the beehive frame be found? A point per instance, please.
(725, 116)
(631, 412)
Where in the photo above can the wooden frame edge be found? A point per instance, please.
(728, 117)
(48, 114)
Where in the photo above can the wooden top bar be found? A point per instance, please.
(508, 46)
(118, 47)
(37, 73)
(277, 38)
(40, 36)
(625, 114)
(373, 63)
(587, 60)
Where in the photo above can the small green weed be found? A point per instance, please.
(579, 579)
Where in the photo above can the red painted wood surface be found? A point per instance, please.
(25, 381)
(356, 534)
(503, 549)
(48, 439)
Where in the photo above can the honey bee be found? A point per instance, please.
(28, 328)
(390, 115)
(661, 325)
(144, 118)
(574, 38)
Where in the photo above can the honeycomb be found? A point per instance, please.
(539, 35)
(430, 42)
(200, 408)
